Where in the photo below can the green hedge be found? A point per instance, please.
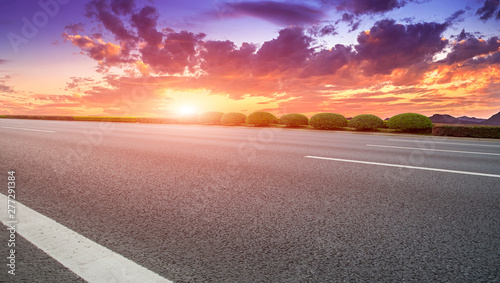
(210, 117)
(410, 122)
(326, 121)
(261, 118)
(233, 118)
(366, 122)
(294, 120)
(466, 131)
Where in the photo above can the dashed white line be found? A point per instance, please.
(89, 260)
(24, 129)
(454, 143)
(405, 166)
(430, 149)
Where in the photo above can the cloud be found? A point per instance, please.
(145, 21)
(176, 55)
(142, 44)
(321, 31)
(294, 70)
(289, 50)
(388, 46)
(4, 88)
(54, 97)
(468, 47)
(455, 17)
(327, 62)
(107, 54)
(77, 84)
(75, 28)
(488, 10)
(101, 11)
(225, 58)
(280, 13)
(491, 59)
(365, 6)
(122, 7)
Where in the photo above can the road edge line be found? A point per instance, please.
(87, 259)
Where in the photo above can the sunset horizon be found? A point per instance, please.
(150, 59)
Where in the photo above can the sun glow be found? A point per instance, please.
(186, 110)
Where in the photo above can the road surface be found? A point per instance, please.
(232, 204)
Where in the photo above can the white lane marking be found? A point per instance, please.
(406, 166)
(89, 260)
(455, 143)
(430, 149)
(24, 129)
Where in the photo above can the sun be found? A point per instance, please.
(186, 110)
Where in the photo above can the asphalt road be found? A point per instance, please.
(231, 204)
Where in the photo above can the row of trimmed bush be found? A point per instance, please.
(466, 131)
(323, 121)
(409, 122)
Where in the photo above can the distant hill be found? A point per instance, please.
(471, 119)
(493, 120)
(445, 119)
(448, 119)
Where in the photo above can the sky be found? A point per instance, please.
(160, 58)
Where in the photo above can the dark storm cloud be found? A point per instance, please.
(280, 13)
(388, 46)
(488, 10)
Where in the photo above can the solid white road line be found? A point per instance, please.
(24, 129)
(405, 166)
(87, 259)
(430, 149)
(454, 143)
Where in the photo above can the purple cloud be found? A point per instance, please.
(359, 7)
(486, 12)
(388, 46)
(284, 14)
(122, 7)
(468, 47)
(101, 11)
(145, 21)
